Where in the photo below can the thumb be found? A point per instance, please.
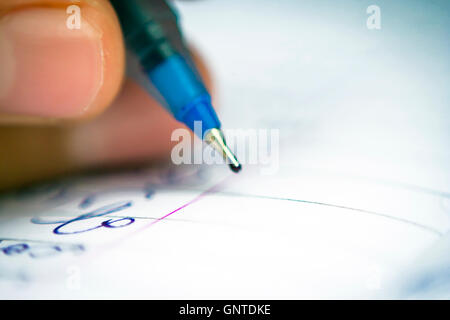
(59, 59)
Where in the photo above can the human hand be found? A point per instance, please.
(65, 104)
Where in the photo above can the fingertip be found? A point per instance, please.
(55, 71)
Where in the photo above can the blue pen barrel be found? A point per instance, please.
(184, 93)
(151, 32)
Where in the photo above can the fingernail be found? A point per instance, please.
(46, 68)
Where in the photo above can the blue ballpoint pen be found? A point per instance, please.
(151, 32)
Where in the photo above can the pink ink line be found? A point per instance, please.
(197, 198)
(200, 196)
(101, 249)
(176, 210)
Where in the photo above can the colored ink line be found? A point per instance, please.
(40, 241)
(383, 215)
(200, 196)
(243, 195)
(212, 189)
(149, 218)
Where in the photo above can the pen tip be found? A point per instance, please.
(235, 168)
(216, 139)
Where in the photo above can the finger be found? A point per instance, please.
(53, 68)
(134, 130)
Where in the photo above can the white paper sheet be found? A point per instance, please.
(360, 205)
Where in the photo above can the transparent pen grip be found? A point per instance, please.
(167, 17)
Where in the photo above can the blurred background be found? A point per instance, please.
(348, 98)
(360, 205)
(363, 104)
